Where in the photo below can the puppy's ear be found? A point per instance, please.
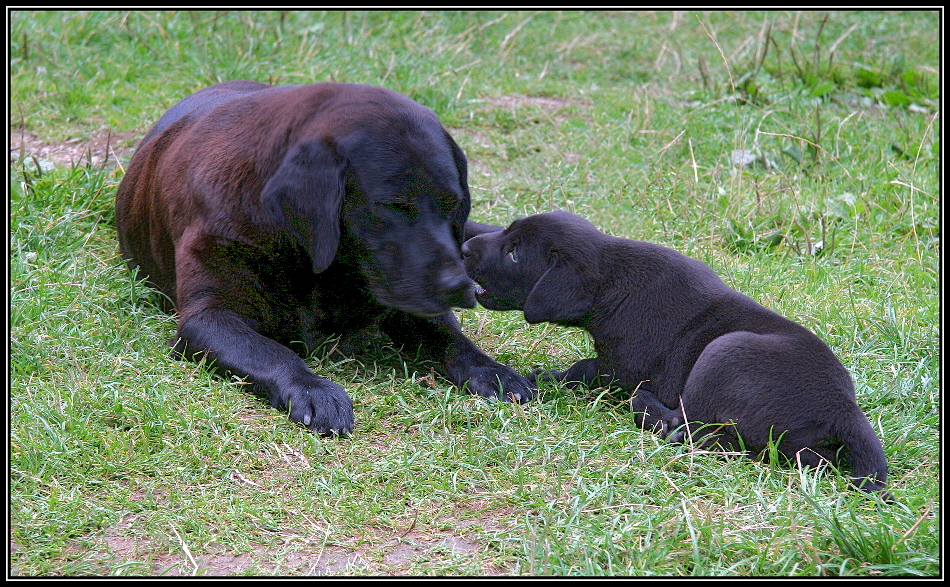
(304, 197)
(560, 295)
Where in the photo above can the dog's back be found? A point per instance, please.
(200, 102)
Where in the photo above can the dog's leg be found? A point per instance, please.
(230, 343)
(456, 357)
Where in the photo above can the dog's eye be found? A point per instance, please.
(405, 208)
(513, 254)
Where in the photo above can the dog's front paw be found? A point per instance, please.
(318, 404)
(498, 381)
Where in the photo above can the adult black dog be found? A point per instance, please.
(278, 215)
(693, 349)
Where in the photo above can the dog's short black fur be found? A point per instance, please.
(279, 216)
(694, 349)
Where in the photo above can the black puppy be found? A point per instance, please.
(693, 349)
(275, 216)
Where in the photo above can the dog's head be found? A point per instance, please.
(544, 265)
(382, 176)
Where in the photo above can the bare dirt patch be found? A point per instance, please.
(122, 546)
(132, 546)
(526, 109)
(541, 102)
(104, 148)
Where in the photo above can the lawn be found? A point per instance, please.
(797, 153)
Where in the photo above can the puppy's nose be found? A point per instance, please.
(470, 252)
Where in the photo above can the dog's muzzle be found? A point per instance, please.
(456, 290)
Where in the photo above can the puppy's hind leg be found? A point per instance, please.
(650, 413)
(711, 437)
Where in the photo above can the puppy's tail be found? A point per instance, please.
(863, 451)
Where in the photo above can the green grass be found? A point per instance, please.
(126, 462)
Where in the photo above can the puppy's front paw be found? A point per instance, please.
(502, 383)
(545, 376)
(673, 431)
(320, 405)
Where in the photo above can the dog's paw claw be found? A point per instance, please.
(321, 406)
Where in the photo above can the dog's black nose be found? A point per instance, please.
(457, 290)
(466, 250)
(453, 281)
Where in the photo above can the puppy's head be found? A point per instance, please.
(544, 265)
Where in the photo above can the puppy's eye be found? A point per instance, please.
(513, 254)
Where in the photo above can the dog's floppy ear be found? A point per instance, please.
(560, 295)
(461, 213)
(304, 197)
